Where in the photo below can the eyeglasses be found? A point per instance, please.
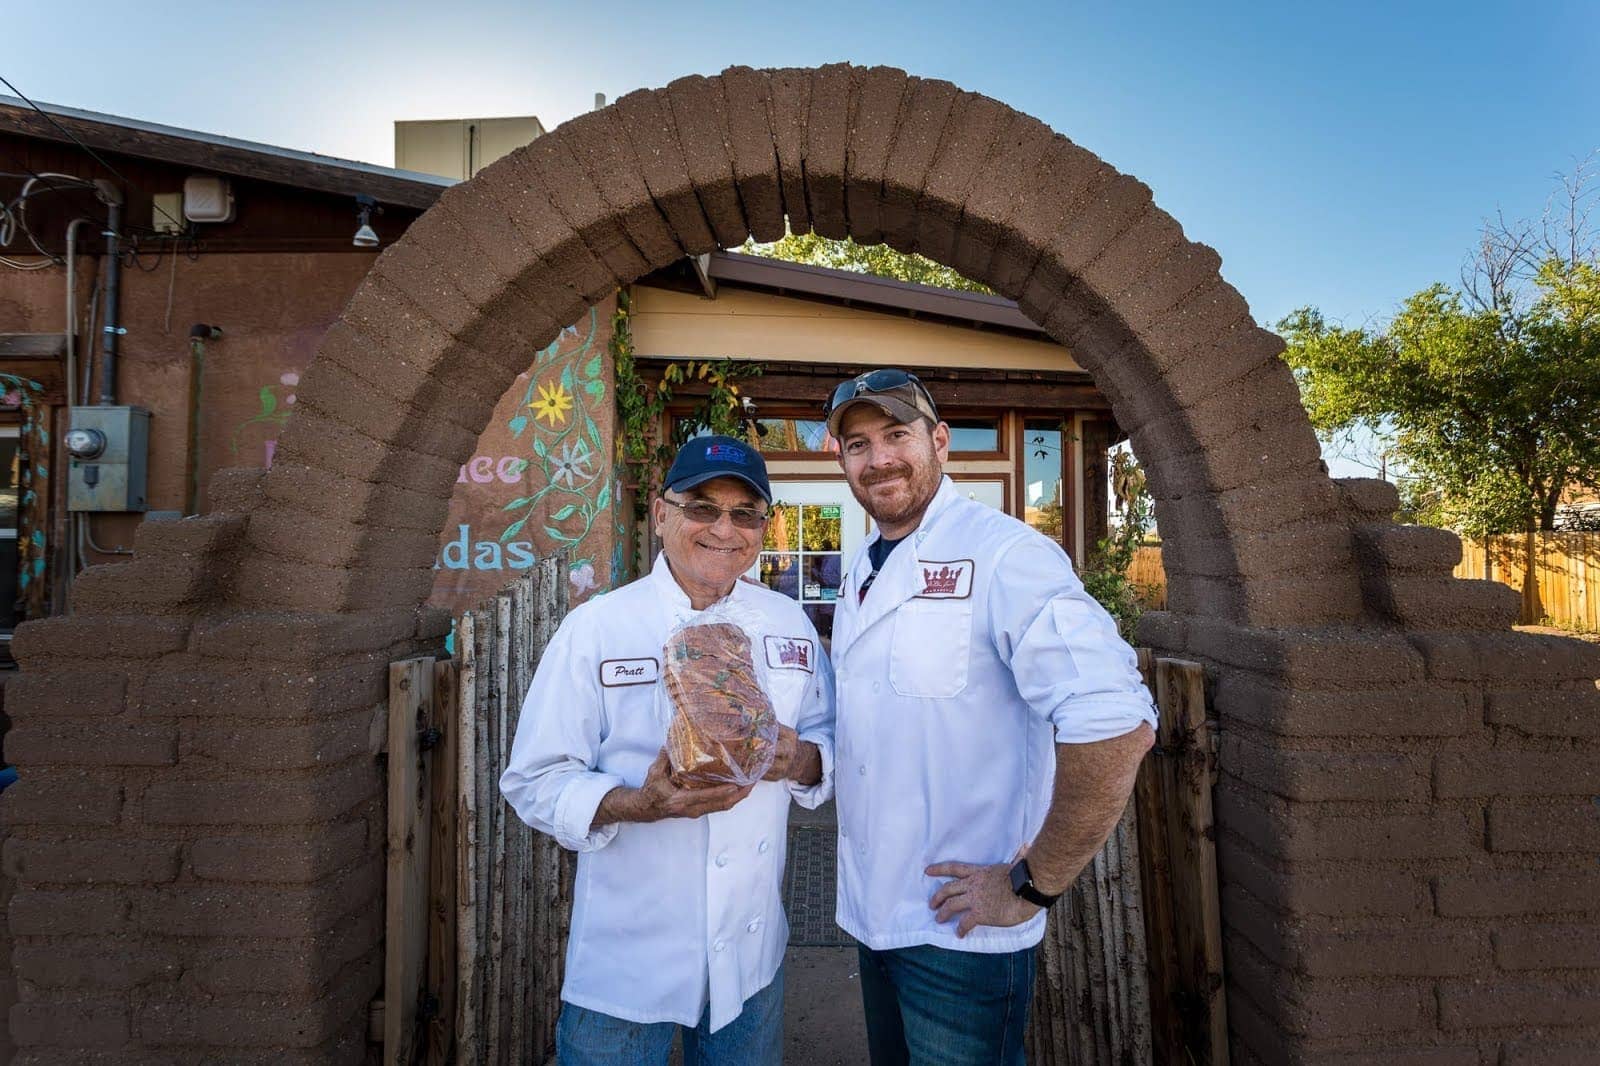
(706, 513)
(886, 380)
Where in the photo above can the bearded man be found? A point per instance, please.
(990, 724)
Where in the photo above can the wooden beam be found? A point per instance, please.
(444, 769)
(406, 903)
(809, 386)
(33, 346)
(1095, 444)
(223, 155)
(469, 843)
(1183, 917)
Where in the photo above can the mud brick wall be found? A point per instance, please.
(1408, 868)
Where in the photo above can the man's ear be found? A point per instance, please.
(941, 441)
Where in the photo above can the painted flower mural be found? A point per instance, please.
(565, 393)
(274, 412)
(553, 404)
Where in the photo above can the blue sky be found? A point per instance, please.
(1342, 155)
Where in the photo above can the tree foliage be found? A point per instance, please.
(878, 260)
(1106, 577)
(1486, 396)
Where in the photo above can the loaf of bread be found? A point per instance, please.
(722, 729)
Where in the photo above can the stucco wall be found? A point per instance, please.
(274, 309)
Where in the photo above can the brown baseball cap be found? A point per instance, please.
(897, 393)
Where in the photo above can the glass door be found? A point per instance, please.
(816, 527)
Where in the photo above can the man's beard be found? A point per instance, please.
(921, 491)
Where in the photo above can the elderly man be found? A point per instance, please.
(678, 918)
(990, 724)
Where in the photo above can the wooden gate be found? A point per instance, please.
(1130, 970)
(478, 903)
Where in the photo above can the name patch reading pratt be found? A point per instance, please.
(945, 581)
(790, 653)
(616, 673)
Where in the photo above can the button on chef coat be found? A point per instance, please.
(974, 651)
(667, 916)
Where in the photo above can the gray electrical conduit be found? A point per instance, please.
(71, 564)
(85, 532)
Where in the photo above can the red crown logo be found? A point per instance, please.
(940, 582)
(791, 653)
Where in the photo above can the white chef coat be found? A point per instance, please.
(670, 915)
(975, 650)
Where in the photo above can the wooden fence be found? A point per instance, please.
(1130, 970)
(1563, 565)
(1149, 577)
(479, 905)
(490, 917)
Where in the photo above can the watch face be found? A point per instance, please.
(1020, 876)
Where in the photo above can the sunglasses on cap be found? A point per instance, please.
(876, 381)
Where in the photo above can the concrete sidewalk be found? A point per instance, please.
(822, 1022)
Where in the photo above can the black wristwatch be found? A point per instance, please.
(1023, 886)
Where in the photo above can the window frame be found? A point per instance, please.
(1069, 457)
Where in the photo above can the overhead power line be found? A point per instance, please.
(48, 117)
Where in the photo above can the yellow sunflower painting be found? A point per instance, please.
(552, 405)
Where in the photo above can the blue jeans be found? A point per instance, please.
(929, 1006)
(755, 1038)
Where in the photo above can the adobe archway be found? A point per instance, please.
(1371, 706)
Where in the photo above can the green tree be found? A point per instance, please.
(877, 259)
(1486, 396)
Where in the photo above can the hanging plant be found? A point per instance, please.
(641, 407)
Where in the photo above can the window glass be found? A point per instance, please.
(1042, 469)
(10, 463)
(974, 434)
(803, 558)
(794, 435)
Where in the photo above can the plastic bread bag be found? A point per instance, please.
(712, 698)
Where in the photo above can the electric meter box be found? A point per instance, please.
(113, 479)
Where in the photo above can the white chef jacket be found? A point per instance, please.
(672, 914)
(975, 651)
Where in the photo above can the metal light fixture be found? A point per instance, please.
(366, 236)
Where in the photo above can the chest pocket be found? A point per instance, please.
(930, 654)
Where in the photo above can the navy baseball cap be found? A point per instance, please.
(705, 458)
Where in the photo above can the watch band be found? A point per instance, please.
(1022, 885)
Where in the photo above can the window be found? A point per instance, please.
(794, 435)
(803, 557)
(974, 434)
(1043, 470)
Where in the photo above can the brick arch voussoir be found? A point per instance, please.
(848, 151)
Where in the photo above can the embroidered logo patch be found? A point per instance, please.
(945, 581)
(790, 653)
(726, 453)
(618, 673)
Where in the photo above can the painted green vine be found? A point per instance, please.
(640, 407)
(571, 456)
